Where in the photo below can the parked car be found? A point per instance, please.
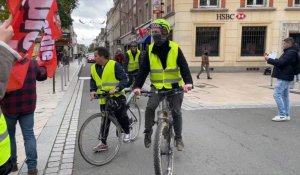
(91, 58)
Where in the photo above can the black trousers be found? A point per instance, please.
(175, 102)
(6, 167)
(121, 116)
(131, 77)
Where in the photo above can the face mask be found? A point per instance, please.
(159, 39)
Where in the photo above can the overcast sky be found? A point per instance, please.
(92, 13)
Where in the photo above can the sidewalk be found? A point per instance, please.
(235, 90)
(46, 104)
(56, 116)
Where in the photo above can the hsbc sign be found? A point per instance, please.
(232, 16)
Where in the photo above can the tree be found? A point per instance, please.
(65, 8)
(92, 48)
(4, 13)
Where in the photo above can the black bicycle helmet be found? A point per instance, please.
(112, 105)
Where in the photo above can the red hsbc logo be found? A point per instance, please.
(241, 16)
(226, 16)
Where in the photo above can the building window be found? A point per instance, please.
(297, 2)
(256, 2)
(209, 3)
(253, 41)
(168, 5)
(207, 38)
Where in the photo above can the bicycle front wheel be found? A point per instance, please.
(163, 153)
(95, 131)
(134, 115)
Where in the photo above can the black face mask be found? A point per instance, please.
(159, 39)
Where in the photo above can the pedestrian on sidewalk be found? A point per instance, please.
(19, 106)
(284, 72)
(7, 57)
(204, 65)
(110, 77)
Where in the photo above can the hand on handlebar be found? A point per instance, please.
(137, 91)
(113, 91)
(93, 95)
(187, 87)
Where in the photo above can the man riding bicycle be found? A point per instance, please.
(168, 70)
(132, 62)
(108, 76)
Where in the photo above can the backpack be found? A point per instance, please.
(297, 65)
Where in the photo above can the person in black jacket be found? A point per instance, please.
(284, 72)
(168, 69)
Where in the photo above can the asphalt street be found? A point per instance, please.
(217, 141)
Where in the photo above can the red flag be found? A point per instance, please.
(54, 21)
(52, 31)
(28, 20)
(141, 33)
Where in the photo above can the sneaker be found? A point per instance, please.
(126, 138)
(32, 172)
(179, 144)
(100, 147)
(15, 167)
(288, 117)
(147, 139)
(279, 118)
(198, 77)
(209, 78)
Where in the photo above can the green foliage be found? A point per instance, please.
(65, 8)
(92, 48)
(4, 13)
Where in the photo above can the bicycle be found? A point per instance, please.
(134, 114)
(163, 151)
(90, 134)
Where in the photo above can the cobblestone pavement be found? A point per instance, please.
(47, 102)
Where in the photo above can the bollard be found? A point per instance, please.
(62, 77)
(65, 75)
(54, 83)
(68, 72)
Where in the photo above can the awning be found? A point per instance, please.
(145, 40)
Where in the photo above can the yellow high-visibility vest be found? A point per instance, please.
(108, 80)
(4, 141)
(133, 64)
(164, 78)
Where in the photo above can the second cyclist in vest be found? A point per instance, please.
(132, 62)
(108, 75)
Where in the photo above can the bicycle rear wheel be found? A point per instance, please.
(134, 115)
(163, 153)
(90, 136)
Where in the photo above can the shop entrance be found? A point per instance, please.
(296, 37)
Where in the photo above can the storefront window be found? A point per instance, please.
(256, 2)
(207, 38)
(253, 41)
(209, 3)
(297, 2)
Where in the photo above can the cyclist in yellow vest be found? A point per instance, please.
(132, 62)
(168, 69)
(108, 75)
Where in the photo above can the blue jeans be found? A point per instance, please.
(281, 96)
(26, 123)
